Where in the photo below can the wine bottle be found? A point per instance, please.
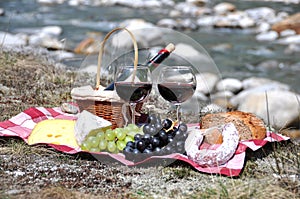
(154, 61)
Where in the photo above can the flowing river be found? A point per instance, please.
(239, 62)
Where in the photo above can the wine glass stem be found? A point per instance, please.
(178, 115)
(132, 107)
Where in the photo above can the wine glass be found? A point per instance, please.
(133, 85)
(176, 84)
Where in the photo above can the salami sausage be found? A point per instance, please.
(209, 157)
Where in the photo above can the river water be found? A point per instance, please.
(238, 62)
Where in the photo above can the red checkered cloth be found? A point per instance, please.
(22, 124)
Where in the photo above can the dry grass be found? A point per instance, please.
(27, 80)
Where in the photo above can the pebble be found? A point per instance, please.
(287, 32)
(69, 108)
(261, 14)
(294, 39)
(292, 49)
(267, 36)
(2, 12)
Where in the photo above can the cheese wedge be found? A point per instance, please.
(54, 131)
(89, 124)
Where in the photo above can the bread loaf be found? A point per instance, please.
(248, 125)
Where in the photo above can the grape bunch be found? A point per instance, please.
(111, 140)
(160, 138)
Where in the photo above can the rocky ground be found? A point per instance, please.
(29, 78)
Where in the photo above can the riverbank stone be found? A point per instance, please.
(229, 84)
(241, 96)
(292, 22)
(223, 8)
(281, 107)
(267, 36)
(206, 82)
(8, 39)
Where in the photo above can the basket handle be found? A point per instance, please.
(135, 63)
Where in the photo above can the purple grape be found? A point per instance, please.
(155, 142)
(163, 136)
(130, 144)
(157, 149)
(141, 145)
(137, 137)
(146, 128)
(152, 129)
(127, 149)
(135, 151)
(170, 139)
(152, 119)
(147, 151)
(182, 128)
(150, 147)
(167, 123)
(147, 136)
(158, 126)
(180, 146)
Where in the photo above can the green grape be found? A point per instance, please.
(94, 149)
(85, 146)
(121, 145)
(110, 135)
(103, 144)
(128, 138)
(111, 146)
(88, 143)
(100, 135)
(94, 141)
(120, 133)
(132, 127)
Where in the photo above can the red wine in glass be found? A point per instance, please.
(176, 92)
(133, 85)
(177, 84)
(133, 92)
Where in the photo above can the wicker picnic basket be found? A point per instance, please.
(110, 110)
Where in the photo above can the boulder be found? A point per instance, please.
(140, 28)
(206, 20)
(193, 55)
(8, 39)
(287, 32)
(253, 82)
(251, 87)
(283, 107)
(263, 27)
(237, 19)
(229, 84)
(269, 64)
(168, 23)
(292, 22)
(51, 2)
(51, 30)
(197, 2)
(191, 9)
(267, 36)
(206, 82)
(292, 49)
(223, 8)
(261, 14)
(294, 39)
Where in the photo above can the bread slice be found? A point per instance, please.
(248, 125)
